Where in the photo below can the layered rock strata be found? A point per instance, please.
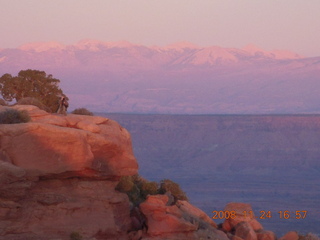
(58, 176)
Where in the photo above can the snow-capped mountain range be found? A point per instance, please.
(178, 78)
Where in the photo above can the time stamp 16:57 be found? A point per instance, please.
(263, 214)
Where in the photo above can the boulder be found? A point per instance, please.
(243, 213)
(266, 235)
(245, 231)
(68, 145)
(179, 221)
(290, 236)
(233, 237)
(194, 212)
(160, 219)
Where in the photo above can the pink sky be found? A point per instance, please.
(271, 24)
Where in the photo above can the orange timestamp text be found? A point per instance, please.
(300, 214)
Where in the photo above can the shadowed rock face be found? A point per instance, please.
(57, 207)
(58, 175)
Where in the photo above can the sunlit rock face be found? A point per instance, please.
(180, 221)
(70, 146)
(58, 176)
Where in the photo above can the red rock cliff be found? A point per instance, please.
(58, 176)
(57, 182)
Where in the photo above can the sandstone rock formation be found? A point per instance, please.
(179, 221)
(266, 235)
(57, 182)
(72, 145)
(290, 236)
(58, 176)
(242, 211)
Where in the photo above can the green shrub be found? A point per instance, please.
(138, 188)
(34, 102)
(11, 116)
(135, 195)
(82, 111)
(126, 184)
(75, 236)
(167, 185)
(148, 188)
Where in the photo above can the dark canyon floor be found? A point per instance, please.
(269, 161)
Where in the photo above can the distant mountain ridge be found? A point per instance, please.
(201, 52)
(178, 78)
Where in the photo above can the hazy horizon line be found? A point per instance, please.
(182, 42)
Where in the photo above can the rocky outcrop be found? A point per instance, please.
(72, 145)
(243, 213)
(266, 235)
(55, 208)
(179, 221)
(290, 236)
(58, 176)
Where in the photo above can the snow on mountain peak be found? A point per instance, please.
(284, 54)
(89, 44)
(253, 50)
(204, 54)
(95, 45)
(213, 54)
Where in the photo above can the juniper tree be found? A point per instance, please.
(32, 83)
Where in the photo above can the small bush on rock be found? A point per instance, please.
(135, 195)
(138, 188)
(11, 116)
(148, 188)
(82, 111)
(126, 184)
(167, 185)
(129, 186)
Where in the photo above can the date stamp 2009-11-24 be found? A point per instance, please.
(299, 214)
